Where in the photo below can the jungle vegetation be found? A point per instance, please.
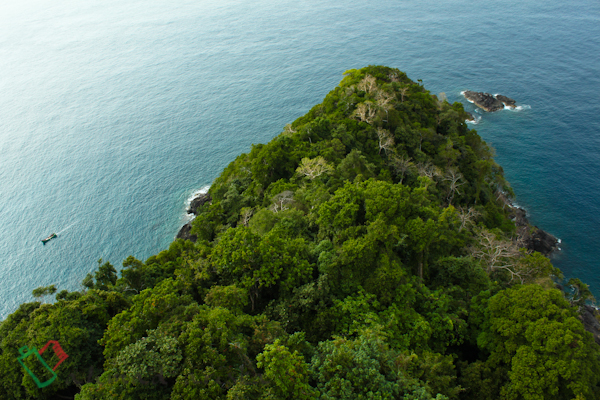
(366, 252)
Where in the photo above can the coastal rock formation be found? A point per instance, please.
(198, 202)
(591, 320)
(541, 241)
(488, 102)
(185, 233)
(532, 237)
(508, 102)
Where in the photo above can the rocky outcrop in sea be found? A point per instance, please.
(197, 202)
(489, 102)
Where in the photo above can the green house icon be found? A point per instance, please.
(26, 352)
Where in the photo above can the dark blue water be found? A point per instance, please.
(113, 113)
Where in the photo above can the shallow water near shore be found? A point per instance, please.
(113, 113)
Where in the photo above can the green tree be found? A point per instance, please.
(355, 164)
(140, 371)
(260, 262)
(43, 291)
(286, 372)
(164, 303)
(421, 234)
(538, 337)
(214, 344)
(231, 297)
(106, 276)
(364, 368)
(75, 324)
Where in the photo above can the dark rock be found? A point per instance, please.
(506, 100)
(531, 237)
(541, 241)
(519, 215)
(185, 233)
(470, 117)
(488, 102)
(589, 316)
(484, 100)
(195, 204)
(198, 202)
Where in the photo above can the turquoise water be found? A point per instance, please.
(113, 113)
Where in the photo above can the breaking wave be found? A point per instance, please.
(188, 202)
(518, 108)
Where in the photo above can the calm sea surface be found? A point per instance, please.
(112, 113)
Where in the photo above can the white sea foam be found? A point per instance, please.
(559, 249)
(516, 205)
(518, 108)
(188, 202)
(202, 190)
(477, 119)
(463, 93)
(559, 241)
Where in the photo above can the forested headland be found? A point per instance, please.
(366, 252)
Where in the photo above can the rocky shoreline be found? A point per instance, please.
(531, 237)
(535, 239)
(185, 232)
(590, 317)
(488, 102)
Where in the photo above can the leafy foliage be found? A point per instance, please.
(364, 253)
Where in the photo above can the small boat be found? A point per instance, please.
(49, 238)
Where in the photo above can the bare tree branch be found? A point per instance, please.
(386, 140)
(455, 179)
(429, 170)
(246, 214)
(314, 167)
(288, 130)
(467, 217)
(366, 111)
(368, 84)
(282, 201)
(401, 165)
(499, 255)
(403, 92)
(441, 98)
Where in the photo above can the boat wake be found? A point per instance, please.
(66, 228)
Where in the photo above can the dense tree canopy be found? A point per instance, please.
(364, 253)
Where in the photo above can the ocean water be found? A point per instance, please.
(113, 113)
